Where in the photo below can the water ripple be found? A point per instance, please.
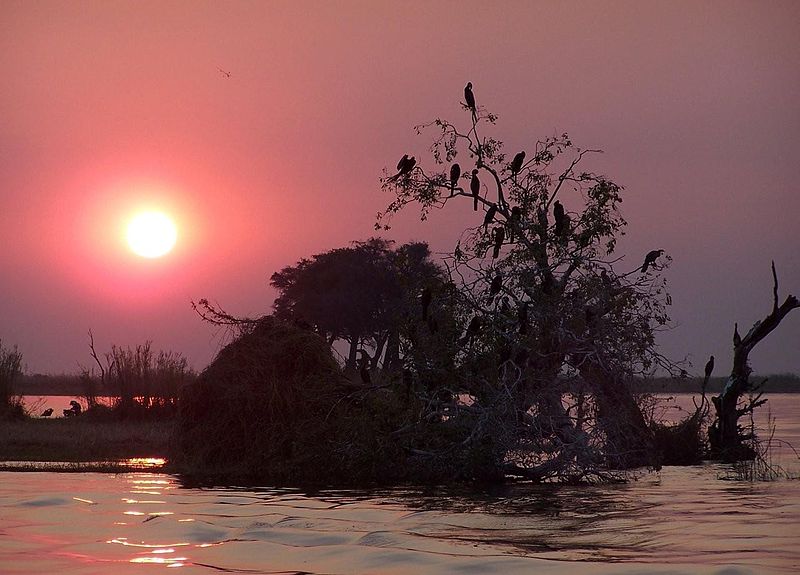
(679, 521)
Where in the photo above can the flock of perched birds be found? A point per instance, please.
(499, 234)
(407, 164)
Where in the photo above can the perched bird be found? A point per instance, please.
(425, 299)
(541, 217)
(522, 317)
(473, 329)
(47, 412)
(514, 222)
(521, 359)
(364, 368)
(558, 211)
(404, 166)
(505, 307)
(366, 379)
(561, 219)
(504, 354)
(561, 231)
(709, 367)
(489, 217)
(475, 188)
(590, 316)
(408, 381)
(455, 173)
(496, 285)
(650, 259)
(516, 164)
(469, 98)
(737, 339)
(499, 234)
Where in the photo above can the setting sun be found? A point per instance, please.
(151, 234)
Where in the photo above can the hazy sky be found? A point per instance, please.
(107, 107)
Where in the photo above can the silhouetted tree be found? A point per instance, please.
(740, 396)
(366, 294)
(568, 313)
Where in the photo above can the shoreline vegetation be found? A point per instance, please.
(526, 354)
(71, 385)
(100, 442)
(71, 441)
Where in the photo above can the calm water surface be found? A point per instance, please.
(681, 520)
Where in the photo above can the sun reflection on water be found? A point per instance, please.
(155, 552)
(124, 541)
(144, 462)
(168, 561)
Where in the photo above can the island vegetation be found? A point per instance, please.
(528, 352)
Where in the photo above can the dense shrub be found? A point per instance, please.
(275, 406)
(263, 395)
(10, 369)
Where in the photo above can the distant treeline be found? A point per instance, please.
(70, 385)
(777, 383)
(40, 384)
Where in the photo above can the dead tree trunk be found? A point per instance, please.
(725, 435)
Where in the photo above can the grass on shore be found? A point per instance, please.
(80, 439)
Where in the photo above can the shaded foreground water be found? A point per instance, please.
(681, 520)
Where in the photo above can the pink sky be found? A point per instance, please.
(109, 106)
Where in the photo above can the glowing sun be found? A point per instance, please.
(152, 234)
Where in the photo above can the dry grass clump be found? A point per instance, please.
(144, 384)
(10, 369)
(259, 408)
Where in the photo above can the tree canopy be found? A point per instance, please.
(547, 305)
(361, 294)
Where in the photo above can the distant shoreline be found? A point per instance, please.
(73, 386)
(780, 383)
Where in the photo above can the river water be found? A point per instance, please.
(680, 520)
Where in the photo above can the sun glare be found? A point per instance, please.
(152, 234)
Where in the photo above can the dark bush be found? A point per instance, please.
(274, 406)
(259, 408)
(682, 443)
